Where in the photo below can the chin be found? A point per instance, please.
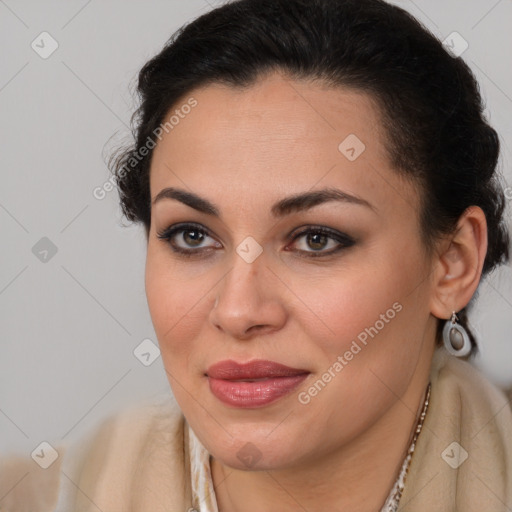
(248, 457)
(251, 451)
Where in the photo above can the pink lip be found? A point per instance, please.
(253, 384)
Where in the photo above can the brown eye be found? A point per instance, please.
(192, 237)
(316, 241)
(183, 238)
(321, 241)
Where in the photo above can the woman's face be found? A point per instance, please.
(345, 311)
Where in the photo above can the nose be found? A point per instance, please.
(248, 301)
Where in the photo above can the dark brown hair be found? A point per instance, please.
(430, 102)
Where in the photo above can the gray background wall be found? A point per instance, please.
(70, 321)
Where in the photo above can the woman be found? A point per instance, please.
(318, 188)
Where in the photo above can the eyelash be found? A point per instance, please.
(345, 241)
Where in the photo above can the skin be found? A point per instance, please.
(244, 150)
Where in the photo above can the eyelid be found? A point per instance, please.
(307, 228)
(344, 241)
(167, 234)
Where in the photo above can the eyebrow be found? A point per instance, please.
(294, 203)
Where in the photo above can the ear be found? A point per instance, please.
(458, 265)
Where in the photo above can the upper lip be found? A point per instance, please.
(255, 369)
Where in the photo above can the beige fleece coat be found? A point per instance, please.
(137, 461)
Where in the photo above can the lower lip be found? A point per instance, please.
(253, 394)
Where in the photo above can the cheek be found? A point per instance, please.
(372, 315)
(176, 304)
(372, 355)
(376, 312)
(347, 305)
(175, 314)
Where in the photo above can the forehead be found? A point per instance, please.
(279, 108)
(278, 136)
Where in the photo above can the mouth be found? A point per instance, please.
(254, 384)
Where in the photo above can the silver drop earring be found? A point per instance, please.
(455, 338)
